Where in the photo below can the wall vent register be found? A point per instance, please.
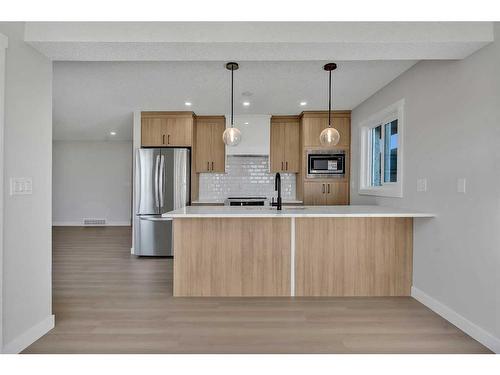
(94, 222)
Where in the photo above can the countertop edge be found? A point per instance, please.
(290, 215)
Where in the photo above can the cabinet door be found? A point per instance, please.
(203, 146)
(277, 154)
(312, 129)
(151, 132)
(343, 125)
(337, 193)
(218, 162)
(178, 131)
(313, 126)
(291, 149)
(315, 193)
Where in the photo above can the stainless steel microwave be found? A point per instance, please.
(325, 163)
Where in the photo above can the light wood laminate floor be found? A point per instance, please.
(108, 301)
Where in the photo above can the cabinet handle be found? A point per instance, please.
(286, 166)
(168, 139)
(323, 188)
(281, 165)
(208, 165)
(163, 139)
(212, 166)
(328, 188)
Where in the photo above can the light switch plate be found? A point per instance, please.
(422, 184)
(21, 185)
(461, 185)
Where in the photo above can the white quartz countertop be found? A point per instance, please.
(293, 211)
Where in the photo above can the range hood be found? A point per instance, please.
(255, 135)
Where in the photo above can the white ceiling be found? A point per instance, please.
(257, 41)
(114, 68)
(93, 98)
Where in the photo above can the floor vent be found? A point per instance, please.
(93, 222)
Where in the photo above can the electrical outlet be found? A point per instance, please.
(461, 185)
(21, 185)
(422, 185)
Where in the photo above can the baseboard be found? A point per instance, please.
(30, 336)
(80, 224)
(484, 337)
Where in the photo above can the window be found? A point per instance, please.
(381, 153)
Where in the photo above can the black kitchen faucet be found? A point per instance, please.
(277, 187)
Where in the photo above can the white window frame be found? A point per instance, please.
(388, 189)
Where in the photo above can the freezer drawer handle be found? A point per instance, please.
(156, 218)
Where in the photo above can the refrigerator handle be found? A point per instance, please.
(162, 180)
(157, 166)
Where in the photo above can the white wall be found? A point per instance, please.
(92, 180)
(452, 130)
(255, 134)
(27, 290)
(3, 46)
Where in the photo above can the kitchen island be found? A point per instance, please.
(298, 251)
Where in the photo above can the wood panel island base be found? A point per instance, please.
(311, 251)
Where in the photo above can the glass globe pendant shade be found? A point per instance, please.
(231, 136)
(329, 137)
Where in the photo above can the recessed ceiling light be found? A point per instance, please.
(246, 123)
(246, 104)
(188, 104)
(112, 133)
(303, 103)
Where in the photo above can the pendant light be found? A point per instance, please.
(232, 135)
(329, 136)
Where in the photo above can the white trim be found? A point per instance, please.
(80, 224)
(3, 46)
(27, 338)
(472, 329)
(394, 111)
(292, 257)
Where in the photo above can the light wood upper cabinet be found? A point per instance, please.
(179, 131)
(326, 193)
(285, 144)
(151, 132)
(210, 150)
(314, 122)
(166, 129)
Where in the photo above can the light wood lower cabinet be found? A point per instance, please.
(232, 257)
(326, 193)
(210, 149)
(353, 256)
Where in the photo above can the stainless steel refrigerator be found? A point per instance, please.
(162, 184)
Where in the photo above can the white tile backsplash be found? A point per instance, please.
(245, 176)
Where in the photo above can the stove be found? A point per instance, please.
(245, 201)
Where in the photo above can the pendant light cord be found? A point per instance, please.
(232, 95)
(329, 98)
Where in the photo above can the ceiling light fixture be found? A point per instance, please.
(303, 103)
(329, 136)
(188, 104)
(112, 133)
(246, 104)
(232, 136)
